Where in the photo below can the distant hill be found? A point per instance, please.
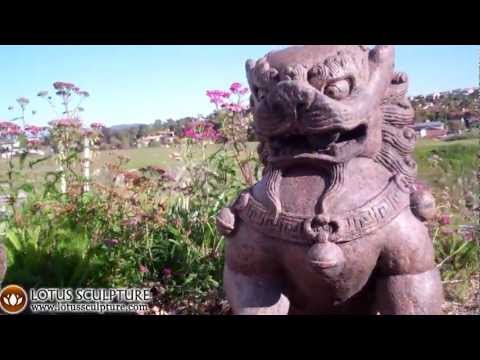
(447, 105)
(122, 127)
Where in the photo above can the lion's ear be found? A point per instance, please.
(382, 54)
(382, 63)
(250, 67)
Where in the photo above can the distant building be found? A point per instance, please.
(472, 122)
(456, 123)
(8, 148)
(435, 133)
(164, 137)
(430, 129)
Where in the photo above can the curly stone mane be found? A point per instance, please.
(398, 138)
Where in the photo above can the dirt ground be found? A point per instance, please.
(471, 306)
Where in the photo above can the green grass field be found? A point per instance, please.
(460, 155)
(458, 160)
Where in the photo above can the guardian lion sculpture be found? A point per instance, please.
(335, 226)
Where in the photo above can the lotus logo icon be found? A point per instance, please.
(13, 299)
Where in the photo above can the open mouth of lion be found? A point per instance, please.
(320, 146)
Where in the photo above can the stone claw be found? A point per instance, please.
(226, 221)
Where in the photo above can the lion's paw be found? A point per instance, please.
(226, 221)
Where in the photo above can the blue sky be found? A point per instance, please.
(138, 84)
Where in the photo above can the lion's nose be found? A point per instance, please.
(292, 97)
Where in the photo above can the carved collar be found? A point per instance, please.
(352, 225)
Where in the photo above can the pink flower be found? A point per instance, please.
(33, 142)
(167, 272)
(143, 269)
(236, 108)
(200, 130)
(218, 93)
(97, 126)
(444, 219)
(33, 130)
(10, 129)
(66, 123)
(216, 100)
(112, 242)
(217, 97)
(243, 91)
(60, 85)
(6, 124)
(235, 87)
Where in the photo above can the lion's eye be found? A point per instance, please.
(338, 90)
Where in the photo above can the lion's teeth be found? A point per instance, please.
(333, 149)
(335, 137)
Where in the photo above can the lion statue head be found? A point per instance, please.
(327, 104)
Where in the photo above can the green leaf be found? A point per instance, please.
(27, 187)
(13, 240)
(32, 163)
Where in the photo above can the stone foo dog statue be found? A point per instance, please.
(335, 224)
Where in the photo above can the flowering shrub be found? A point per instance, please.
(152, 229)
(234, 122)
(217, 97)
(201, 131)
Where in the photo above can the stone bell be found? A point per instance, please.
(324, 256)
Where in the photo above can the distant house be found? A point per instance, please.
(430, 129)
(456, 124)
(471, 120)
(163, 137)
(8, 148)
(470, 91)
(435, 133)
